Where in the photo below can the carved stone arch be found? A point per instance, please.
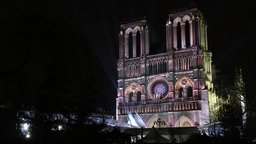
(137, 33)
(153, 82)
(136, 29)
(128, 30)
(157, 121)
(129, 42)
(176, 21)
(184, 121)
(186, 18)
(189, 84)
(133, 88)
(183, 82)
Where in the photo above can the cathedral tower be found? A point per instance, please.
(169, 89)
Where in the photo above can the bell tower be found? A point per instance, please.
(169, 89)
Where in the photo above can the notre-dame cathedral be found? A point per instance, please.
(169, 89)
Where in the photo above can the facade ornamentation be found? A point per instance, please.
(169, 89)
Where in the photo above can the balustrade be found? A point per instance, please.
(169, 106)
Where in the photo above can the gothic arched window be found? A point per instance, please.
(138, 96)
(130, 45)
(130, 97)
(189, 92)
(178, 35)
(187, 33)
(138, 48)
(180, 92)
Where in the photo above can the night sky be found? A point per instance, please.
(68, 49)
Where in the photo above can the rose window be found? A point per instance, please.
(159, 89)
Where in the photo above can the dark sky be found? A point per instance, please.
(70, 47)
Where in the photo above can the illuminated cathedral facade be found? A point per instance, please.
(169, 89)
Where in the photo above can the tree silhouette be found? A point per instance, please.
(238, 95)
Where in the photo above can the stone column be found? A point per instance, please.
(191, 31)
(183, 36)
(169, 36)
(198, 34)
(142, 41)
(121, 45)
(175, 36)
(126, 47)
(134, 41)
(147, 41)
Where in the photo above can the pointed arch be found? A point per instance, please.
(176, 20)
(184, 87)
(157, 121)
(128, 30)
(136, 29)
(129, 42)
(135, 89)
(184, 82)
(184, 121)
(186, 18)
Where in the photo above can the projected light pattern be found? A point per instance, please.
(159, 89)
(139, 121)
(132, 121)
(135, 120)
